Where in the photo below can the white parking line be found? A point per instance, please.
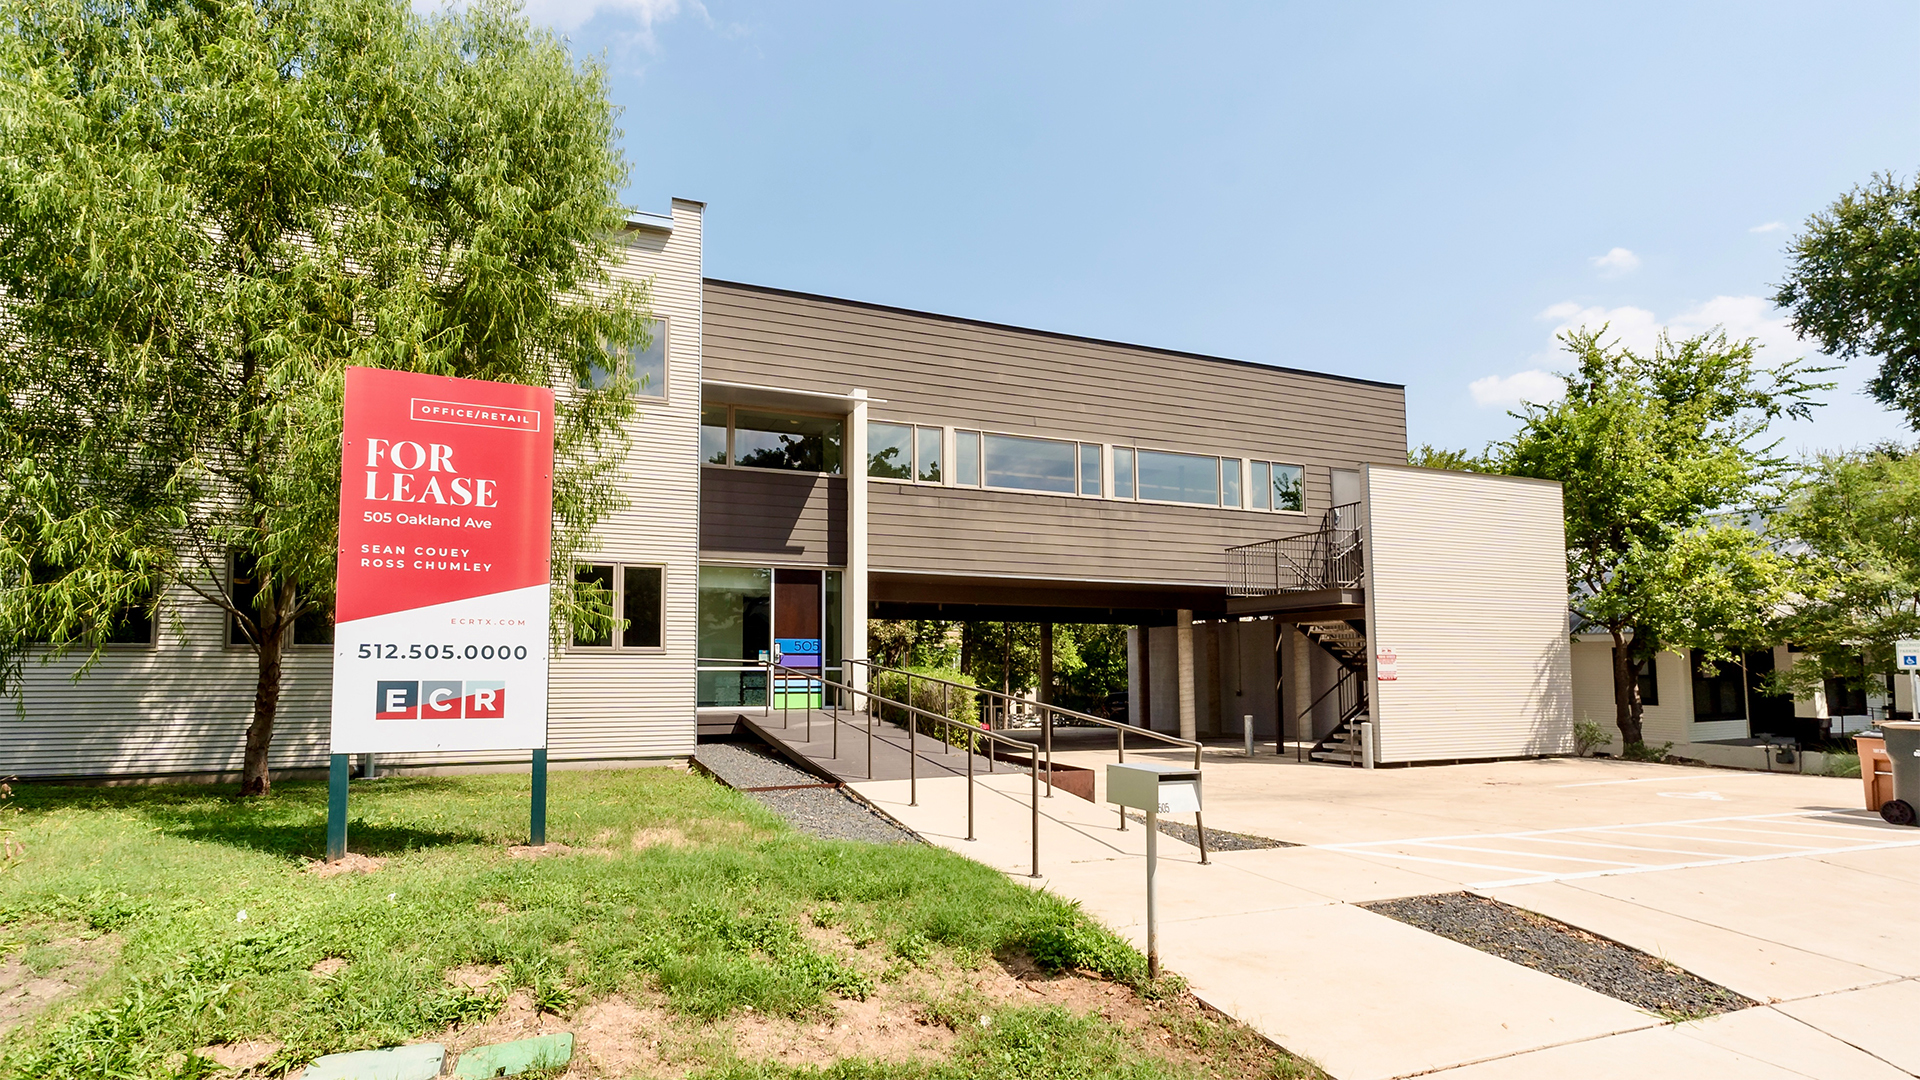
(1787, 839)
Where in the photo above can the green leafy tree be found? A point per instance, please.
(1854, 286)
(1428, 456)
(209, 209)
(1852, 529)
(1658, 459)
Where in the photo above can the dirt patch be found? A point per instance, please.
(241, 1056)
(474, 976)
(33, 977)
(530, 851)
(353, 863)
(328, 968)
(665, 836)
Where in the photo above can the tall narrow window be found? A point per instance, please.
(601, 579)
(1089, 468)
(1287, 493)
(889, 451)
(1229, 481)
(713, 434)
(1261, 489)
(927, 447)
(966, 458)
(1123, 472)
(647, 366)
(641, 592)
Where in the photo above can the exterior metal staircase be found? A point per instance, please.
(1346, 642)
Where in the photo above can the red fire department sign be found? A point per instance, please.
(446, 512)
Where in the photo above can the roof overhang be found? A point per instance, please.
(779, 397)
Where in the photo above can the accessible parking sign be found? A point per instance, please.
(441, 613)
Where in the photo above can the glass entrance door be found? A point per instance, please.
(798, 621)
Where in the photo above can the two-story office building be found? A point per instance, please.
(804, 463)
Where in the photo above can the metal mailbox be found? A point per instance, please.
(1157, 789)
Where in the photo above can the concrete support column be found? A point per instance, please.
(1183, 664)
(854, 618)
(1144, 718)
(1298, 691)
(1046, 664)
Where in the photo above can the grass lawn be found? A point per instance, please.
(679, 928)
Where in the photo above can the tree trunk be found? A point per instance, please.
(1626, 692)
(269, 647)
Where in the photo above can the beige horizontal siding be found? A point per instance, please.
(1467, 585)
(184, 706)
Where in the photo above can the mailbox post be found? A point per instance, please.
(1155, 789)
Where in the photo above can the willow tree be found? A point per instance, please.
(1661, 460)
(209, 209)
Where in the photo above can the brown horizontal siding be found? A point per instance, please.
(969, 531)
(935, 370)
(776, 516)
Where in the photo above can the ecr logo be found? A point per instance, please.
(448, 700)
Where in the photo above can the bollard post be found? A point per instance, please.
(1366, 744)
(1153, 896)
(1246, 722)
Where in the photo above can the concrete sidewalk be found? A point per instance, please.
(1777, 891)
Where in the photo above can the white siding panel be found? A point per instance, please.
(1467, 585)
(184, 706)
(1668, 720)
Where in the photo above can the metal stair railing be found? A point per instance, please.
(1329, 557)
(1047, 714)
(808, 679)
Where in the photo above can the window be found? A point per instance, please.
(890, 451)
(1719, 696)
(1123, 472)
(135, 626)
(1649, 682)
(1287, 491)
(1029, 464)
(313, 627)
(635, 593)
(1261, 488)
(647, 366)
(713, 434)
(1229, 481)
(1089, 468)
(763, 440)
(736, 631)
(1181, 478)
(966, 458)
(927, 447)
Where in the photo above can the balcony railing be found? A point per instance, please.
(1327, 558)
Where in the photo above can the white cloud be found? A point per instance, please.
(1637, 328)
(1771, 226)
(569, 15)
(1616, 262)
(1507, 391)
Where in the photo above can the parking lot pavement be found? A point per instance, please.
(1775, 886)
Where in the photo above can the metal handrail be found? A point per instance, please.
(776, 669)
(1324, 558)
(1047, 712)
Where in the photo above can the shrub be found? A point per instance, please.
(1641, 751)
(1588, 737)
(957, 703)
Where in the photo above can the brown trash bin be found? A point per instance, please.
(1876, 769)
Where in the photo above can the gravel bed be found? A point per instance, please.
(746, 765)
(1567, 952)
(825, 811)
(1217, 839)
(832, 814)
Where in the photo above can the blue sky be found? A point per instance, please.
(1418, 193)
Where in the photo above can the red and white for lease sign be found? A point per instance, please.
(446, 516)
